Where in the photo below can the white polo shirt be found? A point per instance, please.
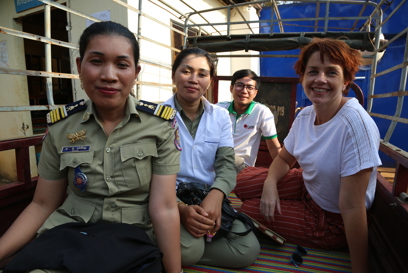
(249, 127)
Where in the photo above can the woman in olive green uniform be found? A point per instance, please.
(109, 159)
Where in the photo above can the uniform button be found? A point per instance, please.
(108, 150)
(194, 147)
(72, 211)
(74, 161)
(112, 206)
(108, 179)
(140, 153)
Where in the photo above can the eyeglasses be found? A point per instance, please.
(296, 258)
(239, 86)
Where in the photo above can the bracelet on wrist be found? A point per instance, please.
(181, 202)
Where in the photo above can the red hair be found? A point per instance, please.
(338, 52)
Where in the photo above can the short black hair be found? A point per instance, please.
(194, 51)
(246, 73)
(108, 28)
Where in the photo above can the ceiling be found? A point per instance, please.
(232, 2)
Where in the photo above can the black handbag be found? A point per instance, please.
(194, 193)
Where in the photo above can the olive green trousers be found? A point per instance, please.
(232, 251)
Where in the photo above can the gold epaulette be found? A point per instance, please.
(163, 111)
(65, 111)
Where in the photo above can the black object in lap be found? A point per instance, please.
(194, 193)
(84, 248)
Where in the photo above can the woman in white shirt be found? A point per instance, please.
(207, 157)
(324, 203)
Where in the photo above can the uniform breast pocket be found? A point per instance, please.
(74, 160)
(137, 163)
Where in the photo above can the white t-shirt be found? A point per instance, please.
(343, 146)
(214, 131)
(248, 128)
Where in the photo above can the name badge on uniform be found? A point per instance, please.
(80, 179)
(75, 149)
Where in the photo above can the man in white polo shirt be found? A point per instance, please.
(250, 120)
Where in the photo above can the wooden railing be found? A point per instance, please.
(388, 217)
(16, 195)
(401, 169)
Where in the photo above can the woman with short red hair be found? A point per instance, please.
(324, 203)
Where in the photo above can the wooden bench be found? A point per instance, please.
(388, 218)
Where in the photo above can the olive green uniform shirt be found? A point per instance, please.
(118, 167)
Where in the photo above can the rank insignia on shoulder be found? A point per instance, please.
(163, 111)
(64, 111)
